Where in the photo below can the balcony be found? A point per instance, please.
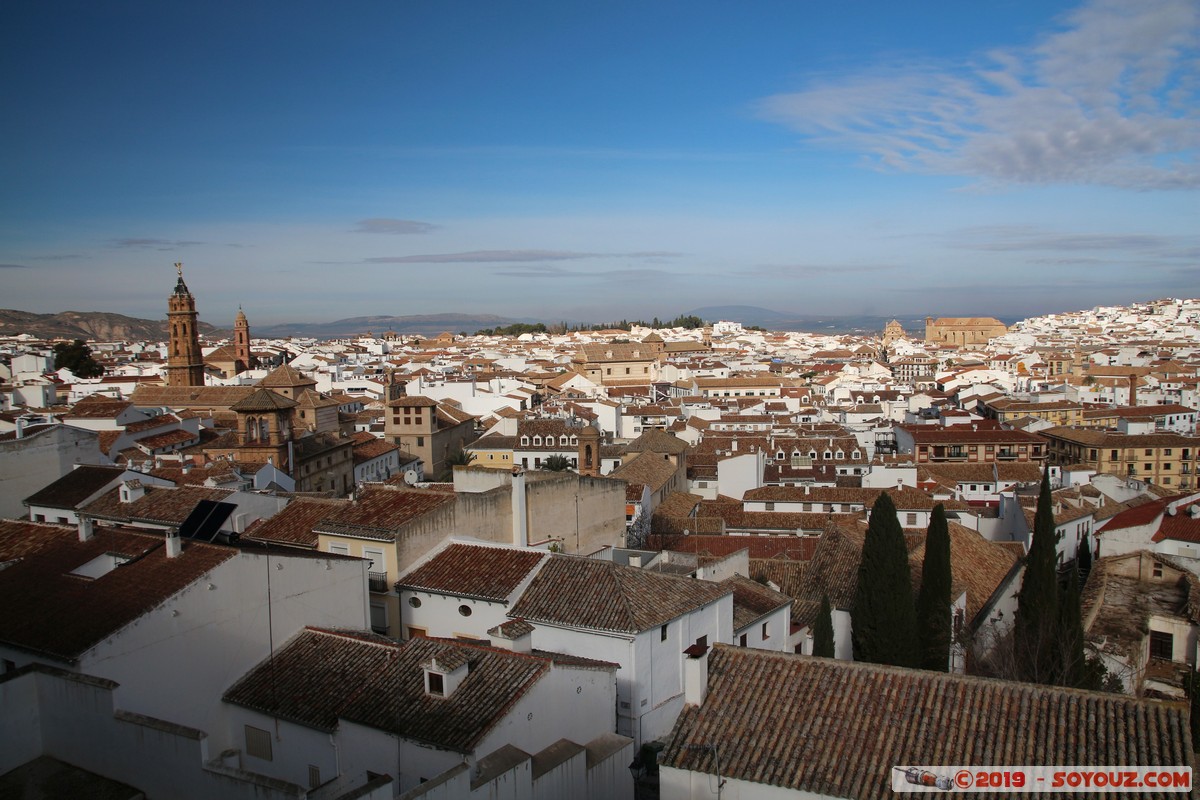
(1006, 455)
(378, 582)
(948, 454)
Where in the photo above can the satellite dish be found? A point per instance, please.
(410, 476)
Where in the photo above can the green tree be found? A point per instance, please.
(557, 463)
(1036, 648)
(882, 616)
(823, 630)
(1074, 669)
(77, 357)
(459, 458)
(933, 600)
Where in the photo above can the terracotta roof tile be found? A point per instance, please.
(49, 610)
(589, 593)
(465, 570)
(837, 728)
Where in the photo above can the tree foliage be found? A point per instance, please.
(1073, 670)
(556, 463)
(933, 599)
(1036, 629)
(823, 630)
(77, 357)
(883, 618)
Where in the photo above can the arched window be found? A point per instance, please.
(251, 429)
(263, 429)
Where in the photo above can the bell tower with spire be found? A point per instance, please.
(185, 362)
(241, 341)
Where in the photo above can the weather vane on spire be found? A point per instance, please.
(179, 269)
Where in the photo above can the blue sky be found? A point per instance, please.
(590, 161)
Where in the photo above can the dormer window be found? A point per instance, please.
(574, 440)
(524, 441)
(562, 440)
(444, 672)
(537, 441)
(839, 455)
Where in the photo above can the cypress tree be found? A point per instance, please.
(1036, 629)
(1074, 671)
(823, 630)
(882, 617)
(1084, 558)
(933, 600)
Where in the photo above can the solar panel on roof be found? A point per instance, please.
(206, 520)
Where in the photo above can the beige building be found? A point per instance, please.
(1170, 460)
(618, 364)
(963, 330)
(430, 430)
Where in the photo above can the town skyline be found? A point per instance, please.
(1018, 158)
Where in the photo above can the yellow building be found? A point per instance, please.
(963, 330)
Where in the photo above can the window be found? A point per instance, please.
(1113, 455)
(437, 684)
(420, 441)
(415, 633)
(379, 622)
(1158, 569)
(1166, 451)
(314, 776)
(662, 634)
(765, 634)
(415, 602)
(742, 640)
(537, 441)
(1148, 468)
(465, 610)
(340, 549)
(258, 743)
(1162, 645)
(524, 441)
(770, 506)
(1149, 452)
(910, 518)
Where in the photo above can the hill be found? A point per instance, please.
(99, 326)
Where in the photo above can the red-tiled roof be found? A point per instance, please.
(837, 728)
(589, 593)
(487, 573)
(75, 487)
(295, 524)
(48, 610)
(380, 511)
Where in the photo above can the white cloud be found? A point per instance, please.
(1108, 99)
(393, 226)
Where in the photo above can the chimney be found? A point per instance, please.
(85, 528)
(20, 433)
(695, 674)
(635, 561)
(520, 518)
(174, 544)
(1133, 390)
(733, 445)
(807, 489)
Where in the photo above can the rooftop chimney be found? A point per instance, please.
(174, 544)
(695, 674)
(85, 528)
(515, 635)
(20, 433)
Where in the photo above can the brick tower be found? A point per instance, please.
(185, 362)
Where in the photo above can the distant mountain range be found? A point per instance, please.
(103, 326)
(780, 321)
(99, 326)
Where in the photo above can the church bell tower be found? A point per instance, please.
(185, 362)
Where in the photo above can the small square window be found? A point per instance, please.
(662, 634)
(437, 685)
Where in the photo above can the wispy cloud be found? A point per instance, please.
(156, 244)
(601, 275)
(393, 226)
(1032, 239)
(1107, 99)
(13, 266)
(62, 257)
(510, 256)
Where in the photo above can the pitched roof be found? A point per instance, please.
(76, 486)
(837, 728)
(380, 511)
(294, 524)
(977, 566)
(49, 610)
(159, 505)
(263, 400)
(752, 600)
(466, 570)
(588, 593)
(321, 676)
(285, 376)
